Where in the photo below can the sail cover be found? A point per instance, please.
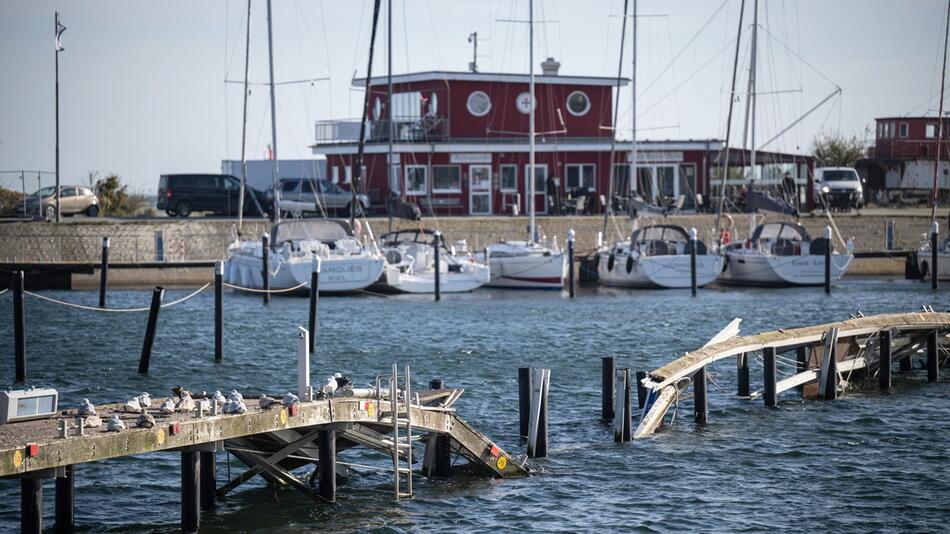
(326, 230)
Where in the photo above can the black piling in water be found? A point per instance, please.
(436, 241)
(933, 370)
(700, 404)
(441, 443)
(146, 358)
(265, 266)
(607, 366)
(884, 370)
(104, 272)
(19, 327)
(641, 389)
(906, 365)
(801, 360)
(314, 301)
(436, 383)
(934, 230)
(828, 248)
(831, 381)
(541, 442)
(769, 389)
(31, 505)
(623, 417)
(65, 501)
(209, 481)
(570, 262)
(692, 261)
(524, 400)
(219, 311)
(742, 365)
(327, 465)
(190, 511)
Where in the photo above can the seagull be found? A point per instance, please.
(145, 421)
(180, 391)
(330, 387)
(133, 405)
(218, 397)
(168, 406)
(93, 421)
(145, 400)
(186, 403)
(86, 408)
(234, 406)
(267, 402)
(115, 424)
(234, 395)
(289, 399)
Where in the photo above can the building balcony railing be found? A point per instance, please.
(426, 128)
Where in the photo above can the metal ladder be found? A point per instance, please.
(398, 417)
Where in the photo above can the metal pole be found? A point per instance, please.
(389, 92)
(829, 245)
(933, 370)
(65, 500)
(247, 65)
(570, 262)
(304, 391)
(104, 272)
(934, 231)
(190, 511)
(327, 464)
(265, 266)
(209, 483)
(146, 357)
(524, 400)
(742, 364)
(19, 327)
(700, 404)
(607, 370)
(314, 300)
(531, 155)
(769, 390)
(56, 55)
(275, 174)
(31, 505)
(437, 238)
(219, 311)
(692, 261)
(884, 368)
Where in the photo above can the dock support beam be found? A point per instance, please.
(314, 300)
(769, 389)
(828, 260)
(742, 365)
(436, 241)
(884, 367)
(607, 367)
(31, 505)
(692, 261)
(623, 417)
(146, 358)
(19, 327)
(801, 360)
(641, 389)
(570, 262)
(327, 465)
(828, 376)
(438, 454)
(265, 266)
(209, 481)
(933, 369)
(700, 405)
(219, 311)
(524, 400)
(65, 501)
(190, 512)
(104, 272)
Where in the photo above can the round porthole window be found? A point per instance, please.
(578, 104)
(525, 102)
(478, 103)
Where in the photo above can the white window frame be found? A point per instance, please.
(450, 190)
(501, 178)
(468, 103)
(473, 192)
(347, 174)
(425, 182)
(396, 177)
(538, 192)
(902, 130)
(580, 166)
(335, 174)
(567, 104)
(930, 130)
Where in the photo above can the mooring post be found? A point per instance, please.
(570, 262)
(65, 501)
(623, 415)
(19, 326)
(607, 366)
(31, 505)
(304, 391)
(933, 370)
(828, 260)
(104, 272)
(219, 311)
(538, 423)
(934, 230)
(209, 480)
(439, 448)
(828, 377)
(700, 404)
(769, 379)
(742, 365)
(190, 511)
(327, 465)
(436, 241)
(314, 300)
(146, 358)
(884, 368)
(641, 389)
(692, 260)
(265, 266)
(524, 400)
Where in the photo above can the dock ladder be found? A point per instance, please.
(401, 419)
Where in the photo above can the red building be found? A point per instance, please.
(903, 156)
(460, 146)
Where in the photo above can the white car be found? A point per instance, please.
(838, 188)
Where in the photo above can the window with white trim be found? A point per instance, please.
(508, 178)
(446, 179)
(931, 131)
(903, 130)
(578, 104)
(417, 180)
(581, 175)
(478, 103)
(335, 174)
(348, 175)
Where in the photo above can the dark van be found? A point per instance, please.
(181, 194)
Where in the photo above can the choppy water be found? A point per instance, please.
(864, 463)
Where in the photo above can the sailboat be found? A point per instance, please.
(298, 247)
(411, 264)
(527, 264)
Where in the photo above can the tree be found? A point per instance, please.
(836, 150)
(115, 199)
(8, 200)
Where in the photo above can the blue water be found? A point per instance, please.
(867, 462)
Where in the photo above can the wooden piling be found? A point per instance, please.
(934, 231)
(884, 367)
(607, 367)
(190, 510)
(219, 311)
(933, 369)
(209, 480)
(769, 389)
(19, 327)
(314, 301)
(156, 306)
(436, 241)
(742, 366)
(570, 262)
(828, 376)
(538, 422)
(31, 505)
(641, 389)
(524, 400)
(65, 501)
(104, 272)
(327, 464)
(700, 404)
(828, 260)
(265, 266)
(692, 261)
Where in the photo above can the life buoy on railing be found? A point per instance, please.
(629, 263)
(610, 262)
(725, 236)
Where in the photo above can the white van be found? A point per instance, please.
(838, 188)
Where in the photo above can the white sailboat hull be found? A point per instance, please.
(336, 274)
(470, 278)
(755, 268)
(670, 271)
(943, 263)
(534, 271)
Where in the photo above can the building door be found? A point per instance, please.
(479, 189)
(540, 188)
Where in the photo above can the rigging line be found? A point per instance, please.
(799, 57)
(613, 138)
(253, 290)
(836, 92)
(366, 97)
(326, 55)
(676, 103)
(732, 92)
(940, 118)
(118, 310)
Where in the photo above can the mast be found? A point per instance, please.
(273, 116)
(531, 107)
(633, 103)
(247, 63)
(362, 142)
(943, 76)
(724, 168)
(389, 93)
(755, 37)
(613, 140)
(57, 30)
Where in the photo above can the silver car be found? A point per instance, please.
(306, 195)
(73, 199)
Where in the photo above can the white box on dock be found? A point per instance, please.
(24, 404)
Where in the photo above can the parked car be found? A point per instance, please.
(306, 195)
(182, 194)
(838, 188)
(73, 199)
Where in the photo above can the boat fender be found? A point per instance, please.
(610, 262)
(629, 263)
(596, 261)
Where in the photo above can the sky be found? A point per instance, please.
(143, 87)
